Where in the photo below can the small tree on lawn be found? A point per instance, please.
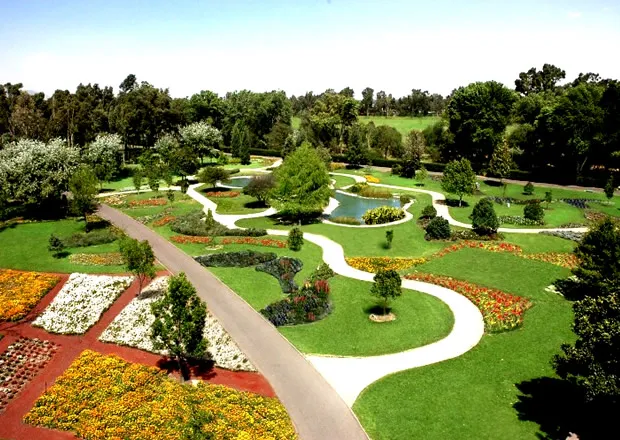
(139, 259)
(84, 186)
(170, 195)
(137, 178)
(501, 163)
(387, 286)
(389, 236)
(609, 188)
(179, 321)
(295, 239)
(212, 175)
(528, 189)
(484, 219)
(533, 211)
(421, 175)
(459, 178)
(55, 245)
(548, 198)
(260, 187)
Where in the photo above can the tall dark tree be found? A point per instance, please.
(536, 81)
(367, 100)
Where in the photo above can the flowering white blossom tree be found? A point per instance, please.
(104, 155)
(201, 137)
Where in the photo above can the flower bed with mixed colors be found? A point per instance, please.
(191, 239)
(148, 202)
(104, 259)
(21, 362)
(222, 194)
(569, 261)
(374, 264)
(501, 311)
(164, 220)
(21, 291)
(132, 327)
(266, 242)
(81, 302)
(115, 200)
(105, 397)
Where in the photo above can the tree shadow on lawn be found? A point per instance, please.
(559, 408)
(453, 203)
(377, 309)
(493, 183)
(256, 204)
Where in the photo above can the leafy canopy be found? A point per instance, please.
(459, 178)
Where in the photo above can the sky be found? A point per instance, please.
(302, 45)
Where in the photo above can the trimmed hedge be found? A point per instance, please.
(235, 259)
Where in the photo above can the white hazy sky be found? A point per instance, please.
(302, 45)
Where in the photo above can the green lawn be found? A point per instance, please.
(255, 162)
(24, 246)
(342, 181)
(404, 124)
(472, 396)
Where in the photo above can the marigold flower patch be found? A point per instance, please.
(374, 264)
(21, 291)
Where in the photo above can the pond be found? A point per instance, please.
(355, 207)
(239, 182)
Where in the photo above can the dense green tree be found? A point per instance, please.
(302, 182)
(348, 92)
(207, 106)
(292, 142)
(357, 152)
(260, 187)
(534, 211)
(501, 163)
(212, 175)
(367, 100)
(459, 179)
(478, 115)
(295, 239)
(240, 140)
(386, 286)
(84, 187)
(484, 218)
(535, 81)
(278, 135)
(180, 317)
(387, 141)
(610, 188)
(412, 153)
(139, 259)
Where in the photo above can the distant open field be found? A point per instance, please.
(404, 124)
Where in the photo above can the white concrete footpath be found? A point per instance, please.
(350, 375)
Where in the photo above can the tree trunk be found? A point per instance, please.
(460, 201)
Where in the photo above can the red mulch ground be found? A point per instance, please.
(11, 425)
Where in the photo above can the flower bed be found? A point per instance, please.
(222, 194)
(561, 259)
(567, 235)
(104, 259)
(105, 397)
(191, 239)
(266, 242)
(147, 202)
(371, 179)
(309, 304)
(492, 247)
(164, 220)
(501, 311)
(21, 362)
(374, 264)
(518, 220)
(284, 270)
(21, 291)
(81, 302)
(115, 200)
(132, 327)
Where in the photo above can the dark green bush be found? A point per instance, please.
(93, 238)
(429, 212)
(534, 212)
(528, 189)
(323, 272)
(484, 218)
(438, 229)
(235, 259)
(311, 303)
(295, 239)
(404, 199)
(284, 270)
(357, 187)
(55, 245)
(345, 220)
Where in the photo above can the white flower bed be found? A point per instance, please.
(81, 302)
(132, 327)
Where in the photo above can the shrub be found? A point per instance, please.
(528, 189)
(284, 270)
(93, 238)
(310, 304)
(235, 259)
(534, 212)
(404, 199)
(357, 187)
(250, 232)
(387, 286)
(610, 188)
(323, 272)
(295, 239)
(375, 193)
(55, 245)
(484, 218)
(429, 212)
(438, 229)
(389, 236)
(345, 220)
(383, 214)
(421, 175)
(260, 187)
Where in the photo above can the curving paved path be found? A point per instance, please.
(316, 409)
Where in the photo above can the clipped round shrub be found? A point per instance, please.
(429, 212)
(528, 189)
(383, 214)
(438, 229)
(484, 219)
(533, 211)
(404, 199)
(295, 239)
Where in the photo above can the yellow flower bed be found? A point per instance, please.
(373, 264)
(21, 291)
(105, 397)
(372, 179)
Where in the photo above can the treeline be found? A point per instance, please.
(565, 133)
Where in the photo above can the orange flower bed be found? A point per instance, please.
(21, 291)
(267, 242)
(223, 194)
(570, 261)
(501, 311)
(190, 239)
(164, 220)
(492, 247)
(148, 202)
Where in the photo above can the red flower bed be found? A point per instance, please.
(492, 247)
(267, 242)
(222, 194)
(164, 220)
(148, 202)
(501, 311)
(20, 363)
(187, 239)
(569, 261)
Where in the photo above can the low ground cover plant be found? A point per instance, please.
(382, 215)
(92, 238)
(21, 291)
(87, 400)
(284, 270)
(308, 304)
(246, 258)
(518, 220)
(501, 311)
(103, 259)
